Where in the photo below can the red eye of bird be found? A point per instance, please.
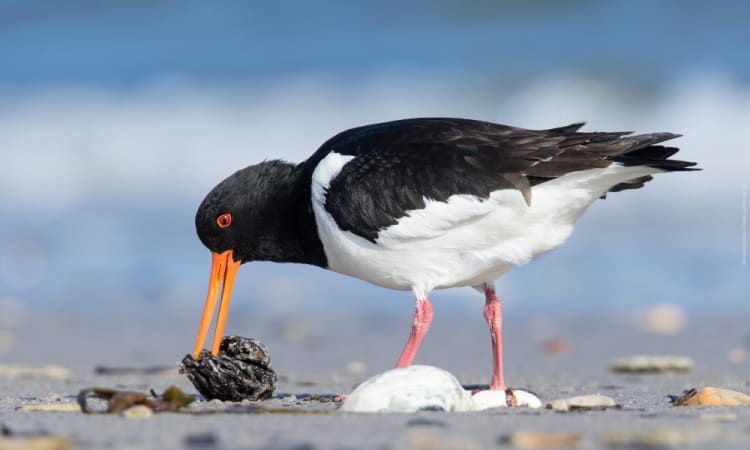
(224, 220)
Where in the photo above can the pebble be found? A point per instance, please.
(356, 367)
(55, 372)
(593, 401)
(712, 396)
(138, 412)
(51, 407)
(531, 439)
(556, 346)
(719, 417)
(666, 319)
(656, 438)
(426, 439)
(36, 443)
(652, 364)
(737, 355)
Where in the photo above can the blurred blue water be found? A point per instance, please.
(117, 117)
(120, 43)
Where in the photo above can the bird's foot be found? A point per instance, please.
(340, 398)
(495, 398)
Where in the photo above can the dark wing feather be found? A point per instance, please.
(399, 164)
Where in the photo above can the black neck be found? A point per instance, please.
(291, 232)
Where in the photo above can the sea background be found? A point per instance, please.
(116, 118)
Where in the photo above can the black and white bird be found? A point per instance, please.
(421, 204)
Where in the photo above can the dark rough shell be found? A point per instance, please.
(241, 371)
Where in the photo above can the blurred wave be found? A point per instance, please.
(99, 187)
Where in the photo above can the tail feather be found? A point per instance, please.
(655, 156)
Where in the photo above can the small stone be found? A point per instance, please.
(556, 346)
(55, 372)
(719, 417)
(656, 438)
(356, 367)
(652, 364)
(530, 439)
(582, 402)
(201, 440)
(242, 370)
(138, 412)
(36, 443)
(737, 355)
(666, 319)
(51, 407)
(712, 396)
(429, 439)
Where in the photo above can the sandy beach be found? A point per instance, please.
(323, 357)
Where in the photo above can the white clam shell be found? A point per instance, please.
(420, 388)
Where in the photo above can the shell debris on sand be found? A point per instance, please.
(652, 364)
(241, 371)
(426, 388)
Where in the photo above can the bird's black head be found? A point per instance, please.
(244, 213)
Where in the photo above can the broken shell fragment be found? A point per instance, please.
(241, 371)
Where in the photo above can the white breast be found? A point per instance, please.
(464, 241)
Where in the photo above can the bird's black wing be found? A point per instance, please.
(397, 165)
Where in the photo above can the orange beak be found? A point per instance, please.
(223, 269)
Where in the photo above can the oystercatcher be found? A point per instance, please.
(421, 204)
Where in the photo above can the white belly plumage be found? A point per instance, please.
(464, 241)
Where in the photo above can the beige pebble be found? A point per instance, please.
(430, 440)
(593, 401)
(651, 364)
(737, 355)
(656, 438)
(51, 407)
(35, 443)
(712, 396)
(56, 372)
(530, 439)
(356, 367)
(138, 412)
(719, 417)
(665, 318)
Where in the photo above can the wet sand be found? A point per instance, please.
(318, 358)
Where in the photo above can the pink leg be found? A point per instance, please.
(493, 313)
(419, 327)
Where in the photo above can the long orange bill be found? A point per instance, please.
(223, 270)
